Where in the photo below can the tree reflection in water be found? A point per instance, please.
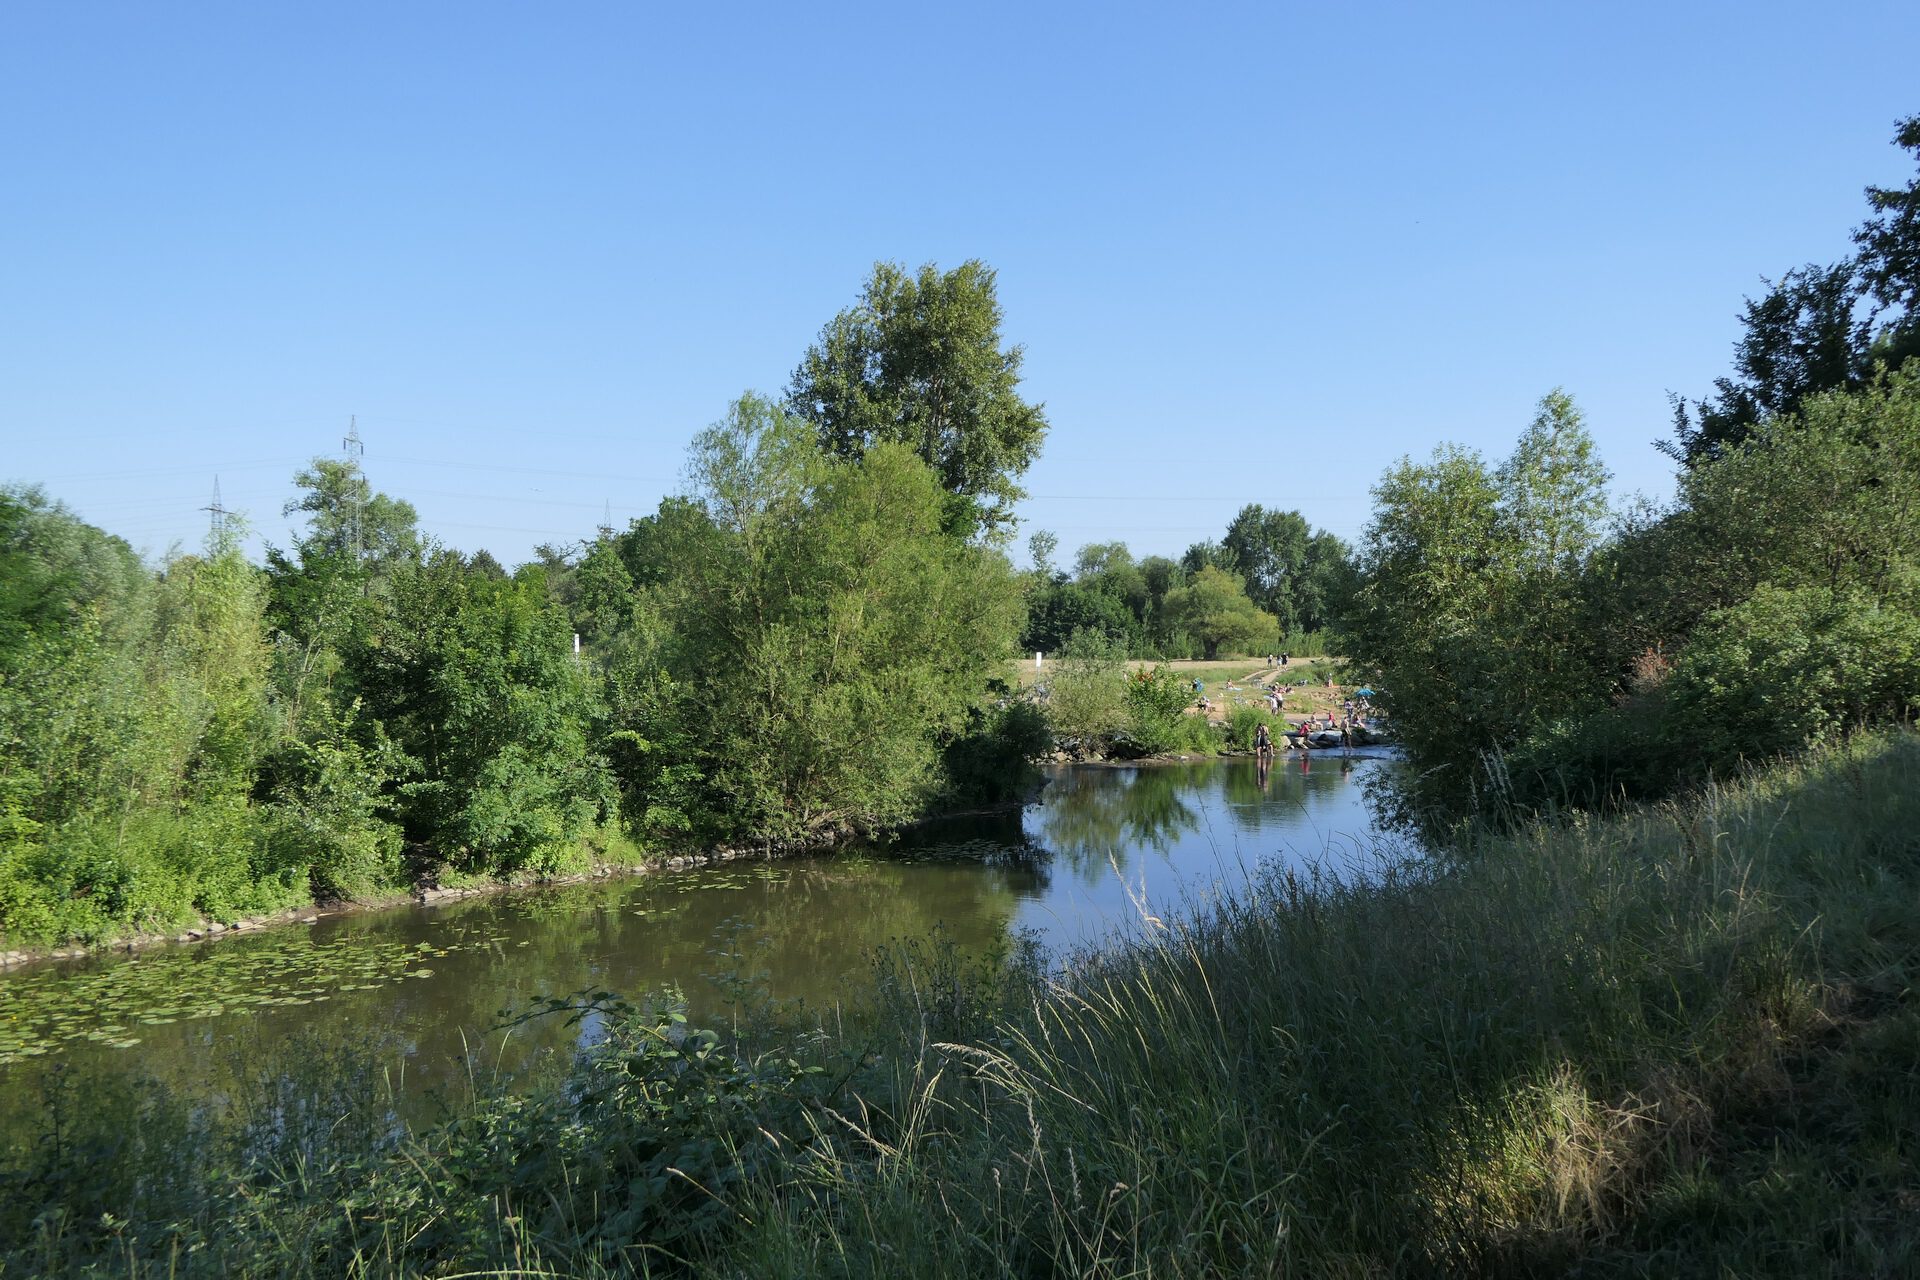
(1089, 816)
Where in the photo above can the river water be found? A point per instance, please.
(426, 985)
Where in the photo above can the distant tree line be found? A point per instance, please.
(1538, 651)
(1269, 577)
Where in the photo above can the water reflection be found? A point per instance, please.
(1147, 840)
(424, 984)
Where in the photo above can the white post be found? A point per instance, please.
(1036, 661)
(576, 644)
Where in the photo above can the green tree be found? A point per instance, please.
(1041, 546)
(1890, 240)
(347, 519)
(1108, 568)
(1802, 336)
(1214, 609)
(919, 362)
(825, 638)
(1819, 328)
(1269, 548)
(1057, 611)
(1553, 488)
(1325, 583)
(604, 602)
(1470, 617)
(1201, 554)
(219, 662)
(1429, 561)
(475, 681)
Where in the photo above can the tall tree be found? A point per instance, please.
(1890, 240)
(1818, 328)
(1269, 548)
(1213, 608)
(852, 634)
(919, 362)
(1803, 335)
(1554, 489)
(348, 519)
(1040, 548)
(1201, 554)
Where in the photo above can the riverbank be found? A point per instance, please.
(428, 888)
(1677, 1042)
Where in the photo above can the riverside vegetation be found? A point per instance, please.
(1674, 1042)
(805, 644)
(1645, 1007)
(801, 645)
(1536, 655)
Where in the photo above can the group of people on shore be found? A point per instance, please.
(1299, 737)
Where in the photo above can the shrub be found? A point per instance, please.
(1156, 702)
(1787, 666)
(993, 761)
(1243, 721)
(1088, 703)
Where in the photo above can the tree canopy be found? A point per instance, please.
(919, 362)
(1818, 328)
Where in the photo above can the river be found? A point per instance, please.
(423, 987)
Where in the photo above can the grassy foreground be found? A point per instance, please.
(1678, 1043)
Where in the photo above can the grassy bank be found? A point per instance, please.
(1680, 1042)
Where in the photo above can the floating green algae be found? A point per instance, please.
(106, 1003)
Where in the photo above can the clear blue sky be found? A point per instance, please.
(1255, 253)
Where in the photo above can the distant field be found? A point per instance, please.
(1241, 673)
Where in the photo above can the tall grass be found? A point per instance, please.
(1677, 1042)
(1681, 1042)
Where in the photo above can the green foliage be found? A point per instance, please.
(348, 521)
(992, 762)
(1472, 619)
(1213, 608)
(217, 664)
(1243, 722)
(802, 645)
(823, 640)
(475, 682)
(1526, 665)
(604, 602)
(1818, 329)
(1056, 611)
(1291, 572)
(1157, 719)
(1087, 695)
(328, 789)
(1788, 667)
(919, 362)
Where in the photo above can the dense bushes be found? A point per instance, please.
(1787, 666)
(1533, 657)
(1097, 706)
(1773, 604)
(798, 647)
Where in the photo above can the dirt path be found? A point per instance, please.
(1230, 684)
